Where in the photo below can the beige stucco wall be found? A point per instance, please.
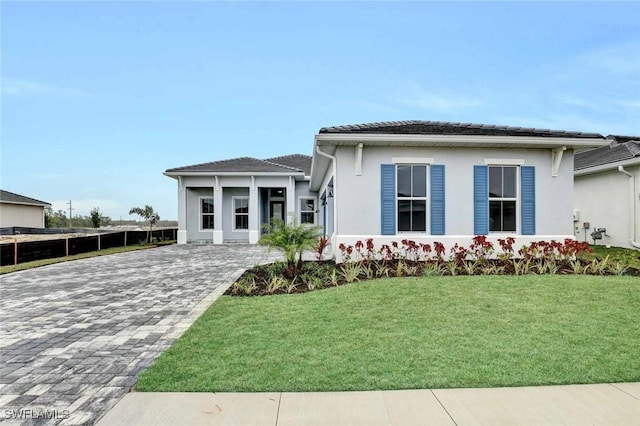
(21, 215)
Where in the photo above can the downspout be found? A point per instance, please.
(632, 206)
(335, 187)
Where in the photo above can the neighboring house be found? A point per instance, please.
(18, 210)
(420, 180)
(231, 200)
(607, 192)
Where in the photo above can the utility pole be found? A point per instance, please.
(70, 210)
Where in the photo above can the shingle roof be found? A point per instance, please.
(247, 165)
(297, 161)
(10, 197)
(621, 148)
(420, 127)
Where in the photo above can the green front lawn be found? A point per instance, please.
(629, 257)
(403, 333)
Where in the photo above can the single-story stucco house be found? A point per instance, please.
(607, 192)
(18, 210)
(421, 180)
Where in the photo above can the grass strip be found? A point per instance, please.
(5, 269)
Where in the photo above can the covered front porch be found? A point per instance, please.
(233, 209)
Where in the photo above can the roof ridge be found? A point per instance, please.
(282, 165)
(633, 147)
(289, 155)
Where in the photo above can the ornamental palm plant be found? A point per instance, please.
(291, 239)
(147, 214)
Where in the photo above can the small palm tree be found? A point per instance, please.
(292, 240)
(147, 214)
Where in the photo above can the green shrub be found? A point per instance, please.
(291, 239)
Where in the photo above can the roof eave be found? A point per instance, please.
(43, 204)
(605, 167)
(458, 140)
(175, 174)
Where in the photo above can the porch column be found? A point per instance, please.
(218, 234)
(291, 200)
(254, 213)
(182, 212)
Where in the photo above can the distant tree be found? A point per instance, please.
(147, 214)
(55, 219)
(48, 217)
(105, 221)
(96, 217)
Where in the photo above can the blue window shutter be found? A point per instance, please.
(388, 199)
(528, 190)
(437, 199)
(480, 200)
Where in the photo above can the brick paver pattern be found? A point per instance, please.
(74, 335)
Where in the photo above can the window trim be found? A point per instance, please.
(426, 198)
(314, 211)
(408, 161)
(234, 214)
(504, 161)
(517, 199)
(201, 213)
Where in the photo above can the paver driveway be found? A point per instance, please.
(76, 334)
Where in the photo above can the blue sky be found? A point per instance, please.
(98, 99)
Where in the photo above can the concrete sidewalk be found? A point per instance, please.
(602, 404)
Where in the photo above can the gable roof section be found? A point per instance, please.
(621, 149)
(420, 127)
(13, 198)
(297, 161)
(290, 164)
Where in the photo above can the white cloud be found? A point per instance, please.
(576, 101)
(436, 102)
(572, 122)
(620, 59)
(375, 106)
(629, 103)
(442, 101)
(19, 87)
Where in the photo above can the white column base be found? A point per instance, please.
(218, 237)
(182, 236)
(254, 236)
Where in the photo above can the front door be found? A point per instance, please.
(276, 210)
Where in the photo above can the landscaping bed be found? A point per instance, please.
(407, 259)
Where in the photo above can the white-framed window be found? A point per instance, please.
(206, 213)
(503, 198)
(307, 210)
(240, 213)
(411, 197)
